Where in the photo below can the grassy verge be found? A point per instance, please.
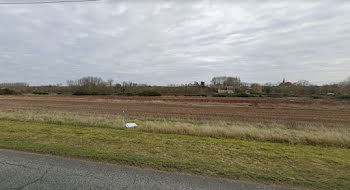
(313, 167)
(272, 132)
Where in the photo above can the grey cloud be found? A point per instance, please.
(167, 42)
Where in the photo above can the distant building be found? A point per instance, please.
(226, 89)
(330, 94)
(284, 83)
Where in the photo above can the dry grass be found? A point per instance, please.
(265, 132)
(259, 132)
(312, 167)
(63, 118)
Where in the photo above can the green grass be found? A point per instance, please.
(314, 167)
(309, 134)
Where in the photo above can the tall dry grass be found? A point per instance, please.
(309, 134)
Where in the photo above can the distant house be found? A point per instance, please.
(226, 89)
(286, 84)
(330, 94)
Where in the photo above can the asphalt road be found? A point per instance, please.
(19, 170)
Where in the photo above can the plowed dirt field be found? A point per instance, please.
(290, 112)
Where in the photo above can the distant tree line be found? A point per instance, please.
(13, 88)
(300, 88)
(98, 86)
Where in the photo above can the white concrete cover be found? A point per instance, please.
(129, 125)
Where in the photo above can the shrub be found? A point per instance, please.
(129, 94)
(201, 95)
(149, 93)
(83, 93)
(220, 95)
(345, 97)
(316, 97)
(41, 93)
(275, 95)
(126, 94)
(6, 91)
(243, 95)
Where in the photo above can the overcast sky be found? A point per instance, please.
(174, 42)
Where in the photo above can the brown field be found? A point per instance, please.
(291, 112)
(293, 121)
(295, 142)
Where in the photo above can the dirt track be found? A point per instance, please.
(235, 109)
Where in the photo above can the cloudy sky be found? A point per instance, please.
(175, 42)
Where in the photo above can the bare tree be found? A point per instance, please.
(226, 81)
(302, 83)
(91, 86)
